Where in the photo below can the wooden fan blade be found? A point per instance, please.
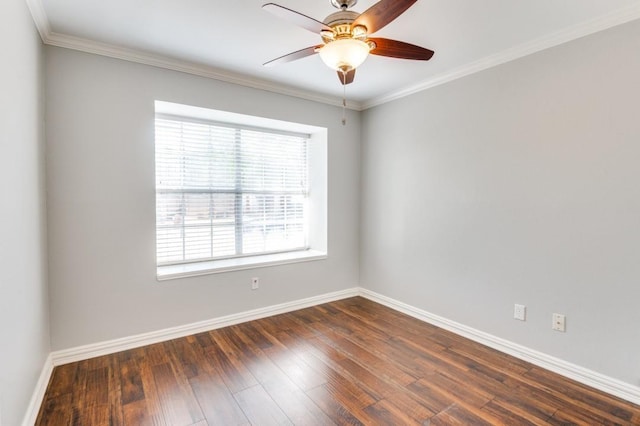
(400, 49)
(381, 14)
(293, 56)
(296, 18)
(348, 77)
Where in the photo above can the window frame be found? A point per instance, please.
(316, 244)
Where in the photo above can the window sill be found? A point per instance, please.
(226, 265)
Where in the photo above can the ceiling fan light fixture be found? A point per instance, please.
(344, 54)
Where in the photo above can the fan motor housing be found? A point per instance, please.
(343, 17)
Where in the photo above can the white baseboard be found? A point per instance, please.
(38, 394)
(588, 377)
(117, 345)
(583, 375)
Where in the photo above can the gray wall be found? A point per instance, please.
(101, 201)
(520, 184)
(24, 328)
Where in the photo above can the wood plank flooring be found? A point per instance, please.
(347, 362)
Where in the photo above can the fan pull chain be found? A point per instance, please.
(344, 98)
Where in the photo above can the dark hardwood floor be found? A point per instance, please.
(346, 362)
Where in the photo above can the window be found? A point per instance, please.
(227, 191)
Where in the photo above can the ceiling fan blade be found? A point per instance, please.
(348, 77)
(296, 18)
(293, 56)
(381, 14)
(400, 49)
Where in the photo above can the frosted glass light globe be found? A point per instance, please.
(344, 54)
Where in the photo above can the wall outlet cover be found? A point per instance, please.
(520, 312)
(559, 322)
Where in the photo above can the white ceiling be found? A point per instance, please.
(231, 39)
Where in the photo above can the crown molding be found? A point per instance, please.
(161, 61)
(617, 17)
(40, 18)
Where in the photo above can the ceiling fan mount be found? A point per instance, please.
(343, 4)
(346, 35)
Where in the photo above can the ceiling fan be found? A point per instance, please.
(345, 35)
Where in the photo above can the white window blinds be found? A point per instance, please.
(226, 191)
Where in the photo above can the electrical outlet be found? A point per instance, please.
(255, 283)
(559, 322)
(520, 312)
